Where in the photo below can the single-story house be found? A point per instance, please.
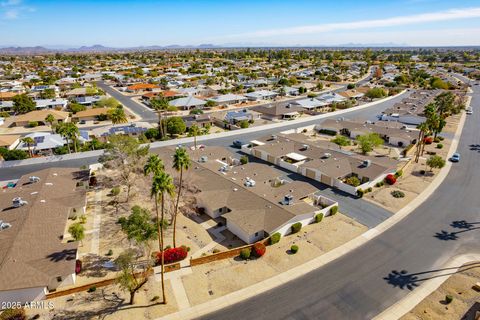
(91, 114)
(310, 104)
(233, 117)
(261, 95)
(34, 260)
(228, 99)
(39, 117)
(7, 95)
(187, 103)
(9, 141)
(88, 100)
(57, 103)
(135, 88)
(131, 129)
(279, 111)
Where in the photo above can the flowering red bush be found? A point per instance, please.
(259, 249)
(172, 255)
(428, 140)
(390, 179)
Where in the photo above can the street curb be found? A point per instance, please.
(159, 144)
(270, 283)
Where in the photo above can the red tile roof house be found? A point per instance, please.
(33, 257)
(140, 87)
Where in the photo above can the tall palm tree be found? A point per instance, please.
(424, 129)
(70, 132)
(50, 119)
(29, 142)
(162, 183)
(160, 105)
(181, 161)
(117, 115)
(154, 165)
(194, 131)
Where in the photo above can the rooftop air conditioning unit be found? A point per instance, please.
(306, 146)
(249, 182)
(367, 163)
(4, 225)
(326, 155)
(274, 137)
(33, 179)
(203, 159)
(287, 200)
(18, 202)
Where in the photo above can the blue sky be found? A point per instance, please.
(123, 23)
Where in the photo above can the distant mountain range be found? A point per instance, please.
(101, 49)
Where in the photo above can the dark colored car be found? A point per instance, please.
(78, 266)
(238, 143)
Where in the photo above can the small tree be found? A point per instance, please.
(435, 162)
(29, 142)
(244, 159)
(175, 126)
(23, 104)
(342, 141)
(77, 231)
(127, 279)
(296, 227)
(369, 141)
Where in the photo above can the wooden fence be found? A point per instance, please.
(223, 255)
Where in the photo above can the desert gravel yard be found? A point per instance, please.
(213, 280)
(465, 298)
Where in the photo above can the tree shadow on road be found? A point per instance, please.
(404, 280)
(454, 235)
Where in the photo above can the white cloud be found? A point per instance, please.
(13, 9)
(453, 14)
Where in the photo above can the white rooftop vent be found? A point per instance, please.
(367, 163)
(33, 179)
(249, 182)
(48, 184)
(327, 155)
(203, 159)
(18, 202)
(306, 146)
(235, 189)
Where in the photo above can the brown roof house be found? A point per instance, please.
(39, 117)
(327, 165)
(253, 199)
(33, 257)
(91, 114)
(9, 141)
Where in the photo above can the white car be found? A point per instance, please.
(469, 111)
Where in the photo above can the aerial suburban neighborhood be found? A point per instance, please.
(275, 174)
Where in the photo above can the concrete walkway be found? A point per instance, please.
(270, 283)
(97, 218)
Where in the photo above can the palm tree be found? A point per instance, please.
(161, 183)
(117, 115)
(69, 131)
(194, 131)
(29, 142)
(160, 105)
(154, 165)
(424, 129)
(50, 119)
(181, 161)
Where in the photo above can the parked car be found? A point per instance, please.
(469, 111)
(238, 143)
(455, 157)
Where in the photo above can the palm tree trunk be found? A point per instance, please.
(163, 253)
(176, 208)
(75, 145)
(158, 224)
(68, 145)
(160, 124)
(195, 141)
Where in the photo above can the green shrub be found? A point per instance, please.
(448, 298)
(33, 124)
(83, 219)
(439, 146)
(397, 194)
(436, 140)
(333, 210)
(92, 289)
(109, 253)
(399, 173)
(245, 253)
(379, 184)
(294, 249)
(155, 298)
(13, 314)
(441, 138)
(319, 217)
(244, 160)
(360, 193)
(296, 227)
(369, 189)
(275, 238)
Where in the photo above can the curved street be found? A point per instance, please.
(364, 282)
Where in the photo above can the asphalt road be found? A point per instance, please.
(366, 281)
(142, 111)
